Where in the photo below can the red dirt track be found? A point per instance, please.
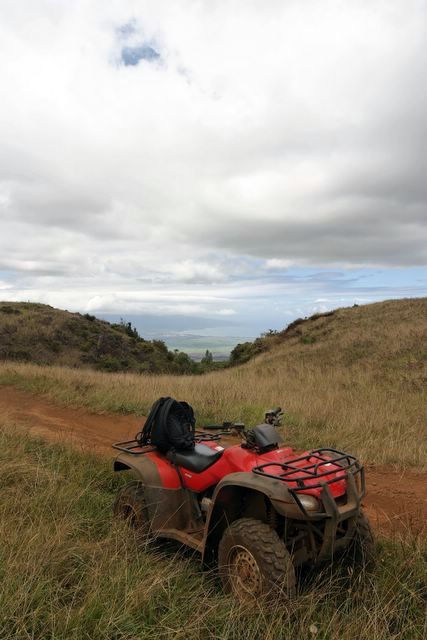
(396, 500)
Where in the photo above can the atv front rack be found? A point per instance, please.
(311, 477)
(343, 462)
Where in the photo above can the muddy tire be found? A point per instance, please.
(130, 507)
(361, 551)
(253, 561)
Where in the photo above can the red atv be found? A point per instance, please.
(257, 507)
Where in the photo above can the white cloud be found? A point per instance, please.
(226, 312)
(196, 271)
(286, 132)
(277, 263)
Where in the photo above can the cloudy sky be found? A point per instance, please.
(227, 164)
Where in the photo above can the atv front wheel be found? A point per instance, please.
(253, 561)
(130, 506)
(361, 551)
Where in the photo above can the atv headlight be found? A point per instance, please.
(310, 503)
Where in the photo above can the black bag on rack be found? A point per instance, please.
(170, 425)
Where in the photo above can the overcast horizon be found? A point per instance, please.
(215, 168)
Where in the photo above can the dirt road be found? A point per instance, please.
(396, 500)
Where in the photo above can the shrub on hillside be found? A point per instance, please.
(9, 310)
(244, 351)
(307, 339)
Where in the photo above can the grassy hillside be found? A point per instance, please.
(385, 334)
(69, 572)
(358, 383)
(41, 334)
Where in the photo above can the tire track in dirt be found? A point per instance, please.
(396, 500)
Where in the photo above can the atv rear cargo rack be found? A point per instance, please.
(135, 447)
(309, 477)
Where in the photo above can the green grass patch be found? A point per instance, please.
(69, 572)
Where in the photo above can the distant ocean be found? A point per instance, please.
(196, 345)
(192, 335)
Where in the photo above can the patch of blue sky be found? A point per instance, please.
(281, 295)
(127, 29)
(131, 56)
(134, 45)
(394, 278)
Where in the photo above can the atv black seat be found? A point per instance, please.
(198, 459)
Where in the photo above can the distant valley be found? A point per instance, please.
(195, 345)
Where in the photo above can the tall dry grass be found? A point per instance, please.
(335, 408)
(356, 380)
(68, 572)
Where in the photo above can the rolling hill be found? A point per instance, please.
(388, 335)
(354, 379)
(38, 333)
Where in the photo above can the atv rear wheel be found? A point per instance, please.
(361, 551)
(253, 561)
(130, 506)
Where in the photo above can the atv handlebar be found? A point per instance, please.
(273, 416)
(226, 427)
(218, 427)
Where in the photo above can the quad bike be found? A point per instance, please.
(256, 508)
